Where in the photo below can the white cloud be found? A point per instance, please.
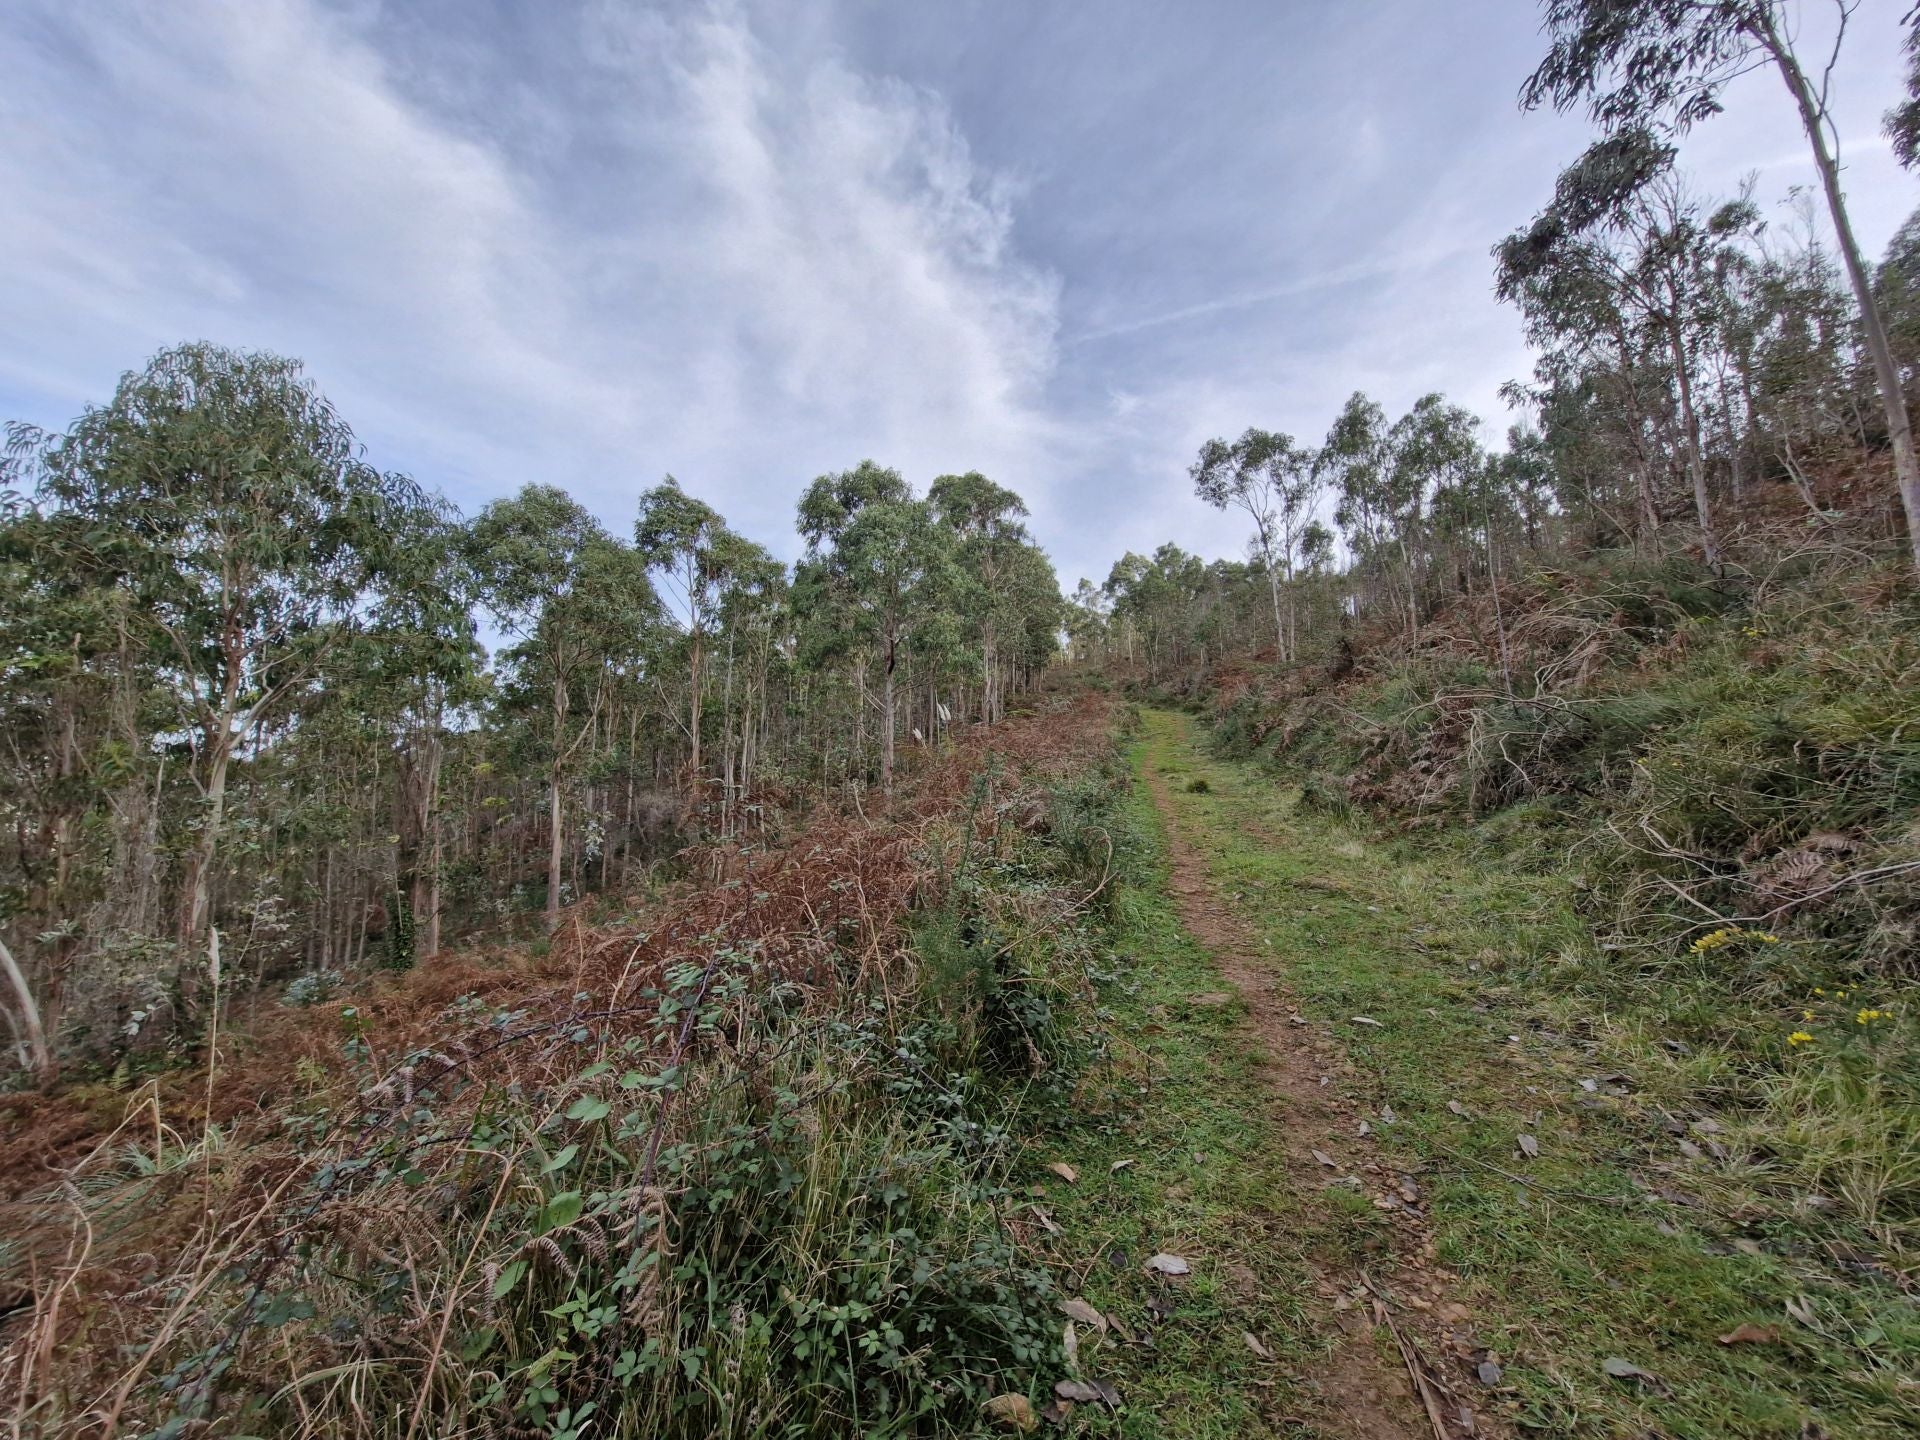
(795, 266)
(598, 241)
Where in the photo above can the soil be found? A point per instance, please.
(1365, 1396)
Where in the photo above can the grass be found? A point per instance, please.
(1457, 960)
(1177, 1155)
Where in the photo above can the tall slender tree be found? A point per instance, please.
(1639, 63)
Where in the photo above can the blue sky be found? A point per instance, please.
(589, 244)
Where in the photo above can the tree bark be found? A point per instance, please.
(39, 1053)
(1690, 438)
(1906, 465)
(555, 852)
(886, 720)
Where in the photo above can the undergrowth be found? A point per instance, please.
(760, 1185)
(1728, 772)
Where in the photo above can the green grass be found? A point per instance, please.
(1455, 958)
(1201, 1175)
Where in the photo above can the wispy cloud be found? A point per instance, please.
(749, 240)
(1323, 283)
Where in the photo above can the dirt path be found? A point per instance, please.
(1380, 1380)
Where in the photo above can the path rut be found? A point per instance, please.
(1365, 1394)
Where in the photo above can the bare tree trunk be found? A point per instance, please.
(555, 848)
(1690, 438)
(1280, 647)
(886, 721)
(1906, 465)
(39, 1053)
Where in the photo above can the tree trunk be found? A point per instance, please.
(555, 851)
(1906, 465)
(1690, 439)
(1280, 648)
(693, 712)
(886, 721)
(39, 1053)
(200, 866)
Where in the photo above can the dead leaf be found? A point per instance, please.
(1387, 1117)
(1065, 1171)
(1253, 1344)
(1690, 1150)
(1165, 1264)
(1801, 1309)
(1012, 1411)
(1489, 1373)
(1046, 1221)
(1325, 1159)
(1456, 1107)
(1070, 1345)
(1365, 1129)
(1086, 1390)
(1529, 1147)
(1750, 1334)
(1083, 1312)
(1118, 1166)
(1367, 1020)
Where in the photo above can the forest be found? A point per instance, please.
(1447, 973)
(247, 696)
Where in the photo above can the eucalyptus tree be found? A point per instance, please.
(697, 559)
(1158, 599)
(883, 558)
(1897, 284)
(423, 659)
(1037, 610)
(985, 520)
(1276, 482)
(249, 533)
(1378, 502)
(1623, 224)
(1437, 456)
(1598, 387)
(1800, 357)
(1636, 64)
(579, 604)
(1903, 121)
(753, 617)
(1086, 623)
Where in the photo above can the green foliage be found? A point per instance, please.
(240, 661)
(773, 1209)
(1694, 1169)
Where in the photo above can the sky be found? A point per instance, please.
(588, 244)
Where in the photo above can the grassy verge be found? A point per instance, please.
(1174, 1154)
(1629, 1236)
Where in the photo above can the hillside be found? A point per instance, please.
(570, 869)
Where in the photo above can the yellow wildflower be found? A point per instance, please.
(1866, 1016)
(1799, 1037)
(1806, 1014)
